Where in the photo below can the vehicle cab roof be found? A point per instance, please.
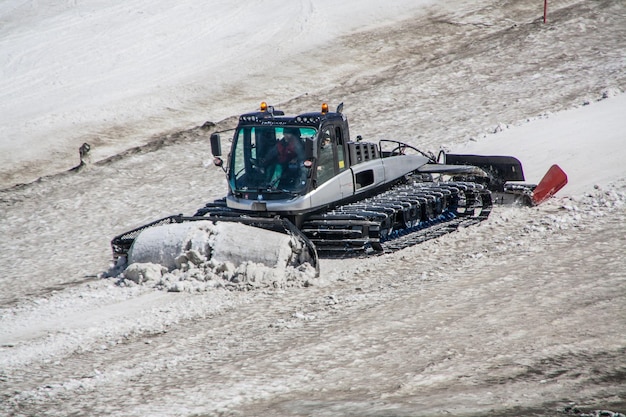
(277, 118)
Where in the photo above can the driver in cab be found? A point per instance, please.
(287, 156)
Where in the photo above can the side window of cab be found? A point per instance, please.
(341, 161)
(326, 156)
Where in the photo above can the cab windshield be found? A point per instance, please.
(270, 158)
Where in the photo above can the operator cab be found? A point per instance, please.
(269, 158)
(275, 157)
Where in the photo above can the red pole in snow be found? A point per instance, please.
(545, 11)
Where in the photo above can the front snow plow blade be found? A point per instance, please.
(273, 242)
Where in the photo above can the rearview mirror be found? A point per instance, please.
(216, 145)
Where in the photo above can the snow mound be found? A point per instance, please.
(212, 274)
(202, 255)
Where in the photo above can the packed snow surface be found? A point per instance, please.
(565, 139)
(520, 315)
(113, 74)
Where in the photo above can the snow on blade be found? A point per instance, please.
(201, 254)
(165, 244)
(239, 243)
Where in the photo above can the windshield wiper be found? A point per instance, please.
(275, 191)
(266, 190)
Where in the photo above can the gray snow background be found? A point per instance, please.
(521, 315)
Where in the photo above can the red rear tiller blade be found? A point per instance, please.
(553, 181)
